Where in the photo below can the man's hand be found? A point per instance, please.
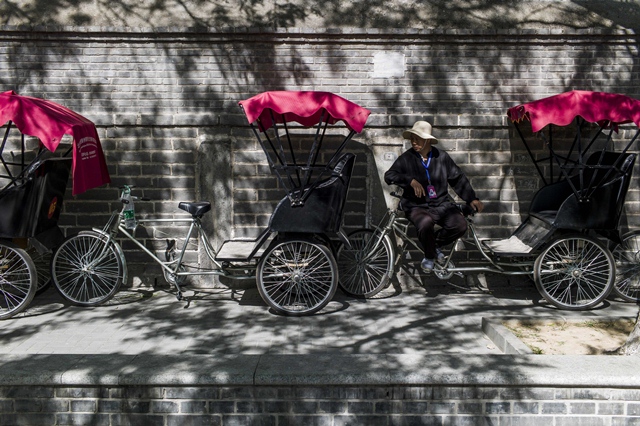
(476, 205)
(418, 189)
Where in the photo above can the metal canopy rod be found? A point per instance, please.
(22, 150)
(282, 156)
(614, 166)
(626, 148)
(598, 133)
(567, 159)
(314, 148)
(533, 160)
(562, 170)
(4, 142)
(293, 155)
(327, 167)
(266, 151)
(550, 143)
(341, 147)
(580, 157)
(602, 152)
(324, 132)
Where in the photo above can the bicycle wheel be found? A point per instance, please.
(297, 277)
(86, 270)
(627, 257)
(18, 280)
(575, 272)
(366, 267)
(43, 268)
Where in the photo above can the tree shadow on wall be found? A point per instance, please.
(504, 14)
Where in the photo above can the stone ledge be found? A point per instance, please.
(320, 370)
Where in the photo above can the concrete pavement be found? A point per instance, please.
(422, 316)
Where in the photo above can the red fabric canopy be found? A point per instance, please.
(607, 109)
(304, 108)
(49, 122)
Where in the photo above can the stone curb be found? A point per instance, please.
(322, 370)
(504, 339)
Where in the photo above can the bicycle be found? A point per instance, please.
(572, 271)
(294, 266)
(366, 266)
(89, 268)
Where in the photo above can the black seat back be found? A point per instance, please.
(33, 206)
(323, 208)
(602, 190)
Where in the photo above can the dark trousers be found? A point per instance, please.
(453, 224)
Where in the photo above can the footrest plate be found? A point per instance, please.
(239, 250)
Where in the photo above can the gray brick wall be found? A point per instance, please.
(337, 405)
(160, 97)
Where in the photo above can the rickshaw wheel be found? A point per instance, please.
(297, 277)
(363, 268)
(627, 256)
(43, 268)
(86, 271)
(18, 280)
(575, 272)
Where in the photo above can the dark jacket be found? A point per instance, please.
(443, 171)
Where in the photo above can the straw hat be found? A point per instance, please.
(421, 129)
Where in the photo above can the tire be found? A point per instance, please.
(575, 272)
(627, 257)
(86, 271)
(297, 277)
(43, 268)
(18, 280)
(366, 267)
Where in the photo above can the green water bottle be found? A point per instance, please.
(129, 212)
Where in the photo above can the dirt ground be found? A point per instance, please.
(562, 337)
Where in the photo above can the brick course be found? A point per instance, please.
(328, 405)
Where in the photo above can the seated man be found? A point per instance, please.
(424, 172)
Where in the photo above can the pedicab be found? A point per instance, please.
(573, 220)
(292, 259)
(32, 189)
(310, 214)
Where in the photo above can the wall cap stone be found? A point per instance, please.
(320, 370)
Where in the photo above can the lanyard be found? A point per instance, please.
(426, 166)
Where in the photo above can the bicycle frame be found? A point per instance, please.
(172, 267)
(391, 224)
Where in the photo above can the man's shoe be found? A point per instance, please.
(440, 258)
(427, 265)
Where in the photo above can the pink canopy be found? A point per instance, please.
(49, 122)
(304, 108)
(606, 109)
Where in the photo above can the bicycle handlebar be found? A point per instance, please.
(133, 197)
(465, 209)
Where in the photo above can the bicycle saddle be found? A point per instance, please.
(196, 209)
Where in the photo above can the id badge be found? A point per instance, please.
(431, 190)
